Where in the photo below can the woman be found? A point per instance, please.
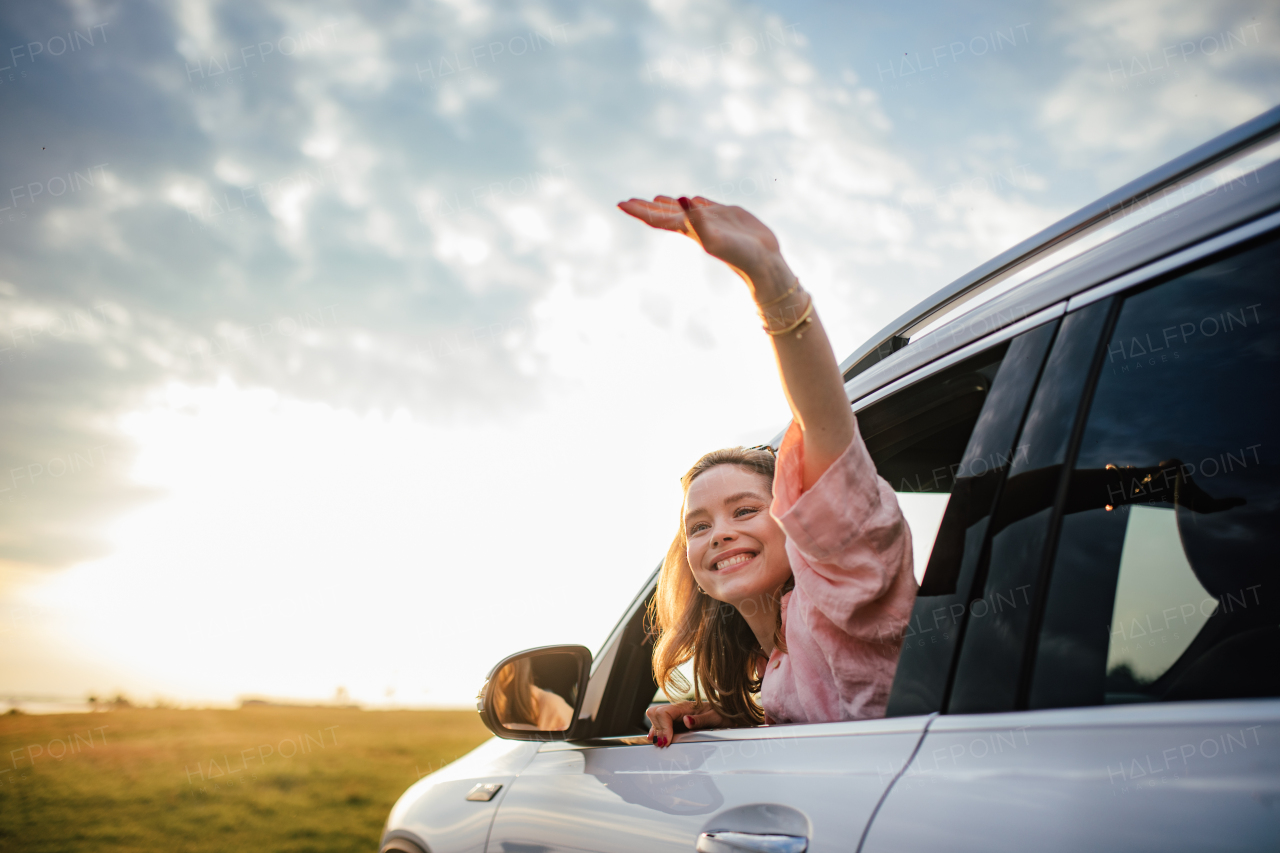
(784, 579)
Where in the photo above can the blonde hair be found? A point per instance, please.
(691, 625)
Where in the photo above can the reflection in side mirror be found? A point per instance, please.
(535, 694)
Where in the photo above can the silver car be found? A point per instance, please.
(1094, 657)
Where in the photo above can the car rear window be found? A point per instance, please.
(1164, 585)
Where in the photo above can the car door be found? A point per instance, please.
(1128, 700)
(820, 782)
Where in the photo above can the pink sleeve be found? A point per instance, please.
(847, 539)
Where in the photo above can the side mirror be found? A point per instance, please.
(536, 694)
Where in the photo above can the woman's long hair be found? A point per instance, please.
(689, 624)
(513, 696)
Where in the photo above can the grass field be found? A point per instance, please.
(197, 781)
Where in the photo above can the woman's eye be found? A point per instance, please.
(738, 513)
(697, 528)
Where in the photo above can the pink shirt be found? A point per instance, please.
(850, 551)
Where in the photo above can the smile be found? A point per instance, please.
(734, 561)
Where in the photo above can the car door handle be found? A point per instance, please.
(750, 842)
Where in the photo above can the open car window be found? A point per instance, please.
(662, 697)
(918, 437)
(942, 443)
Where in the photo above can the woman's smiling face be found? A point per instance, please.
(735, 548)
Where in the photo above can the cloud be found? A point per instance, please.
(408, 208)
(1141, 79)
(316, 315)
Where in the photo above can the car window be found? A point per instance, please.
(917, 439)
(662, 697)
(922, 440)
(1011, 559)
(981, 451)
(1164, 582)
(945, 445)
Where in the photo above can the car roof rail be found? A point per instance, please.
(895, 336)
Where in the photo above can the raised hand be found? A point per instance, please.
(726, 232)
(810, 376)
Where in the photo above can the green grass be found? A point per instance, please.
(126, 787)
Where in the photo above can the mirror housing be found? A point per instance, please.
(536, 694)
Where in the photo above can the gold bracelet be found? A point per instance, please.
(793, 289)
(806, 317)
(767, 316)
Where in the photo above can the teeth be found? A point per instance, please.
(733, 561)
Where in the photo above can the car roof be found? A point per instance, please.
(893, 352)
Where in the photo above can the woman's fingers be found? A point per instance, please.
(670, 214)
(706, 720)
(729, 233)
(663, 719)
(655, 723)
(663, 212)
(661, 731)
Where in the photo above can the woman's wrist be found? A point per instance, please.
(783, 305)
(770, 279)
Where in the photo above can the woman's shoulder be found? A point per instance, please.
(848, 543)
(824, 519)
(554, 712)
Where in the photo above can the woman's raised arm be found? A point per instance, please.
(810, 374)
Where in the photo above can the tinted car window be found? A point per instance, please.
(1164, 585)
(1011, 561)
(948, 441)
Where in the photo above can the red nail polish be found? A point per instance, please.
(688, 722)
(684, 202)
(662, 741)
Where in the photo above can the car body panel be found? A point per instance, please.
(435, 814)
(1180, 776)
(630, 796)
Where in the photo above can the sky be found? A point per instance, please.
(328, 361)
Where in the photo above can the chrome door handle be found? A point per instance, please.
(750, 842)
